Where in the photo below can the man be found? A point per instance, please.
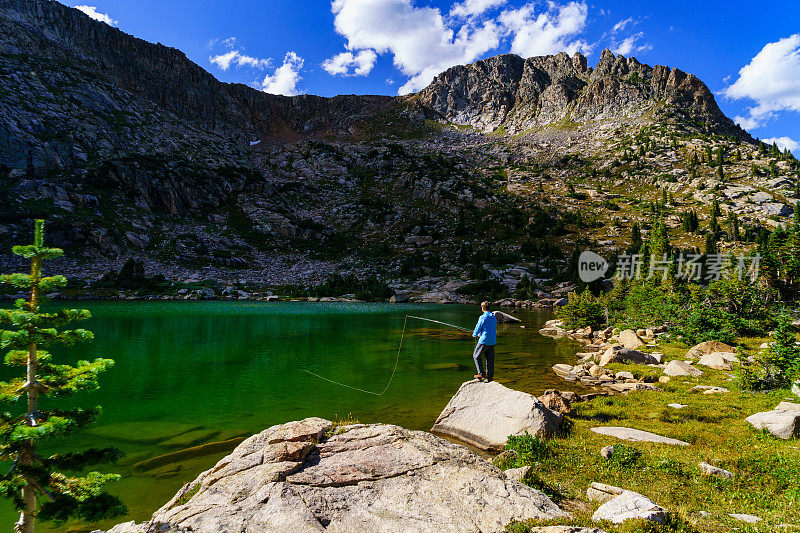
(486, 333)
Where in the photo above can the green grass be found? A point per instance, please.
(767, 470)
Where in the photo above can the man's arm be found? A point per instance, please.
(478, 327)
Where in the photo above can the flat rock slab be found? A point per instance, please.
(630, 506)
(637, 435)
(363, 478)
(485, 414)
(781, 424)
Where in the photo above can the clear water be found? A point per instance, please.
(189, 373)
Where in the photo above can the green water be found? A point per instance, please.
(189, 373)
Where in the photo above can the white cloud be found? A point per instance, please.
(423, 42)
(619, 26)
(234, 57)
(772, 80)
(547, 32)
(630, 45)
(349, 64)
(92, 12)
(474, 8)
(783, 143)
(389, 81)
(285, 78)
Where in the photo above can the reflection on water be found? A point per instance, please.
(192, 375)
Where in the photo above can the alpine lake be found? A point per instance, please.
(192, 378)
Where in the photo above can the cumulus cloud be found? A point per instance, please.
(92, 12)
(630, 45)
(423, 42)
(235, 57)
(474, 8)
(547, 32)
(285, 78)
(783, 143)
(771, 80)
(349, 64)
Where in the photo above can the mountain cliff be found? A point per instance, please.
(130, 150)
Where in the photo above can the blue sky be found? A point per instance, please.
(397, 46)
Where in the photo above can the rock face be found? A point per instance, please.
(681, 368)
(628, 506)
(486, 414)
(362, 478)
(782, 424)
(637, 435)
(519, 94)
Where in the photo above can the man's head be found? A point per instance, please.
(486, 306)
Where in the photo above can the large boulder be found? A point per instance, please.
(629, 339)
(485, 414)
(615, 354)
(782, 424)
(719, 360)
(681, 368)
(630, 506)
(699, 350)
(361, 478)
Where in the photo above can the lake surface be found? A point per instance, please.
(192, 373)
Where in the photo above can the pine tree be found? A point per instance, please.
(720, 156)
(636, 237)
(35, 484)
(711, 244)
(720, 173)
(733, 223)
(793, 249)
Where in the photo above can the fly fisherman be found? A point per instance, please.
(486, 333)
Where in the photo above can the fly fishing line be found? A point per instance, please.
(396, 361)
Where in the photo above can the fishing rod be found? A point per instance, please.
(396, 361)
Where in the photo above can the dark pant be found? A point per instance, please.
(487, 351)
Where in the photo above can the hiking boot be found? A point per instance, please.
(479, 377)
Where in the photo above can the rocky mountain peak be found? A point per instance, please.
(520, 94)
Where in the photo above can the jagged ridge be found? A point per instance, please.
(520, 94)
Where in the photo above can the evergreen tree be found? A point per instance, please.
(636, 237)
(720, 156)
(711, 244)
(35, 484)
(733, 223)
(713, 225)
(720, 173)
(709, 156)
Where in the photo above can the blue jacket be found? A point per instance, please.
(486, 329)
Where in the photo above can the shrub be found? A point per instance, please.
(583, 309)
